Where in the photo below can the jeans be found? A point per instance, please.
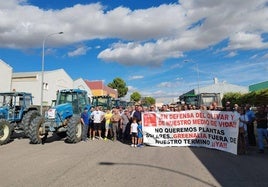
(251, 134)
(85, 131)
(115, 130)
(262, 133)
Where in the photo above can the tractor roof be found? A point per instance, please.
(14, 93)
(73, 91)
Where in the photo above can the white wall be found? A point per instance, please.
(222, 88)
(32, 85)
(80, 84)
(5, 77)
(55, 80)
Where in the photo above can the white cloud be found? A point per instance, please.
(79, 51)
(138, 54)
(171, 84)
(136, 77)
(254, 56)
(148, 36)
(232, 54)
(265, 56)
(131, 88)
(165, 84)
(242, 40)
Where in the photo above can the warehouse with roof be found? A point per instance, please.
(219, 87)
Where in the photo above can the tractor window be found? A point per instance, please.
(75, 104)
(17, 101)
(65, 98)
(82, 100)
(27, 101)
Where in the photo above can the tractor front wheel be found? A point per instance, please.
(36, 131)
(74, 130)
(5, 131)
(27, 119)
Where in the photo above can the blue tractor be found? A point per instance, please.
(16, 113)
(63, 118)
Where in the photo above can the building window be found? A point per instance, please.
(45, 86)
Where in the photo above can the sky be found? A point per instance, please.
(160, 48)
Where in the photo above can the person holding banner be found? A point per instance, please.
(137, 113)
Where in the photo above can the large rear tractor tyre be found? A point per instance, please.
(36, 133)
(74, 130)
(5, 131)
(27, 119)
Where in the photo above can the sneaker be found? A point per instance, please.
(261, 151)
(135, 145)
(132, 145)
(100, 138)
(105, 139)
(93, 138)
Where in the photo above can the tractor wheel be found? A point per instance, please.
(27, 119)
(74, 130)
(36, 130)
(5, 131)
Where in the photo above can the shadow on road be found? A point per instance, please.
(159, 168)
(235, 170)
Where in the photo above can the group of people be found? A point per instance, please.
(125, 124)
(115, 124)
(247, 120)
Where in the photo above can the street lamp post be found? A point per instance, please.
(43, 67)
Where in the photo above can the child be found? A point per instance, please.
(133, 132)
(140, 135)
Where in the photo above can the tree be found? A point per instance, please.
(254, 98)
(120, 85)
(135, 96)
(147, 101)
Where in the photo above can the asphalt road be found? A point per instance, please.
(106, 163)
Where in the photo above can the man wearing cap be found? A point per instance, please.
(85, 121)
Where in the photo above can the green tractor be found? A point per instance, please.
(16, 113)
(62, 119)
(104, 101)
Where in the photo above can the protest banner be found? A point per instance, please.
(203, 128)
